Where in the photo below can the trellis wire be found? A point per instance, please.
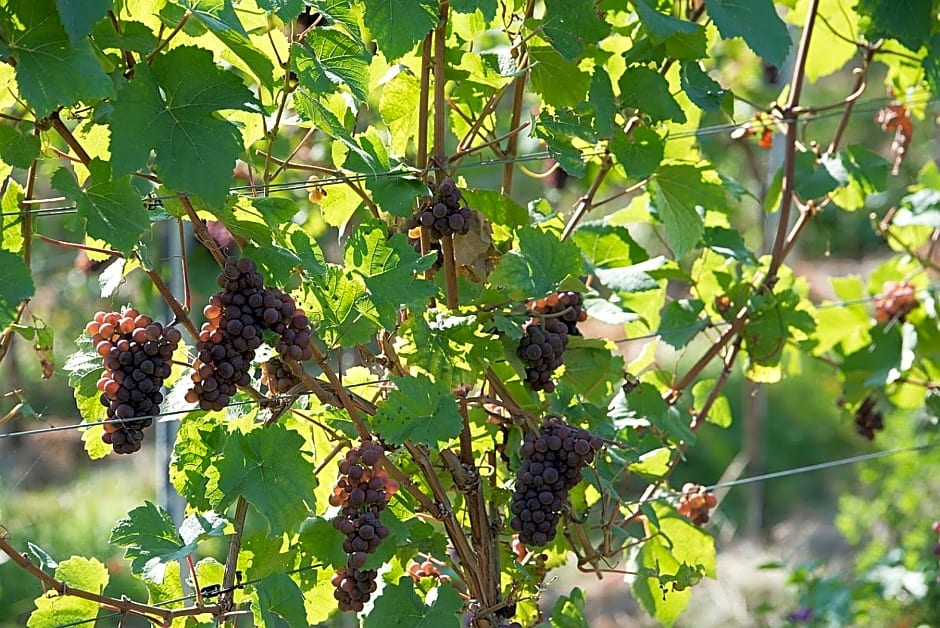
(249, 190)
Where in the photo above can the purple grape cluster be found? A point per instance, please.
(444, 213)
(551, 466)
(237, 315)
(137, 353)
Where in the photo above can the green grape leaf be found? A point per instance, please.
(134, 36)
(678, 191)
(287, 10)
(420, 410)
(172, 107)
(329, 57)
(608, 246)
(632, 278)
(681, 322)
(51, 72)
(601, 96)
(497, 207)
(648, 91)
(908, 21)
(398, 26)
(389, 268)
(78, 16)
(671, 563)
(812, 179)
(720, 412)
(757, 22)
(682, 39)
(11, 221)
(640, 153)
(557, 80)
(558, 130)
(654, 463)
(540, 263)
(486, 7)
(279, 600)
(399, 108)
(399, 605)
(223, 22)
(588, 368)
(19, 146)
(171, 588)
(53, 610)
(198, 440)
(347, 314)
(572, 25)
(269, 469)
(320, 542)
(452, 348)
(860, 172)
(111, 207)
(920, 208)
(16, 285)
(702, 90)
(728, 243)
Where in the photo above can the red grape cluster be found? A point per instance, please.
(443, 213)
(895, 302)
(277, 376)
(868, 419)
(362, 492)
(543, 346)
(137, 354)
(551, 466)
(237, 315)
(426, 569)
(695, 503)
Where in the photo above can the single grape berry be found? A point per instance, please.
(552, 461)
(137, 356)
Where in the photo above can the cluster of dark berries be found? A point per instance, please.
(695, 503)
(935, 526)
(237, 315)
(277, 376)
(137, 355)
(868, 419)
(362, 492)
(443, 213)
(542, 348)
(895, 302)
(551, 466)
(426, 569)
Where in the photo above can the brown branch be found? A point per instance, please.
(849, 103)
(200, 230)
(584, 204)
(521, 53)
(173, 33)
(181, 314)
(226, 599)
(440, 81)
(126, 54)
(70, 139)
(76, 246)
(450, 272)
(789, 164)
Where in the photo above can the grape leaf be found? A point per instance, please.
(757, 22)
(608, 246)
(51, 72)
(648, 91)
(720, 412)
(328, 57)
(680, 322)
(111, 207)
(558, 130)
(497, 207)
(134, 36)
(398, 25)
(399, 108)
(222, 21)
(679, 190)
(703, 91)
(389, 268)
(53, 610)
(172, 107)
(682, 39)
(639, 154)
(279, 599)
(16, 285)
(908, 21)
(321, 542)
(812, 179)
(540, 263)
(285, 9)
(571, 25)
(399, 605)
(347, 314)
(268, 467)
(419, 409)
(78, 16)
(11, 225)
(19, 146)
(486, 7)
(557, 80)
(568, 611)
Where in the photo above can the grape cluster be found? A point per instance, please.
(895, 302)
(237, 315)
(444, 213)
(551, 466)
(277, 376)
(868, 419)
(362, 492)
(426, 569)
(695, 503)
(137, 354)
(568, 306)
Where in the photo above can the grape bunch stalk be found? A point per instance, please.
(542, 348)
(552, 461)
(237, 315)
(362, 493)
(137, 354)
(444, 213)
